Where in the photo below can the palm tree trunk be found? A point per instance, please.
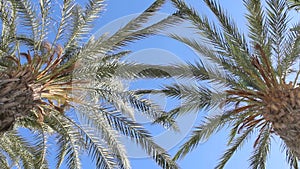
(290, 134)
(283, 111)
(16, 97)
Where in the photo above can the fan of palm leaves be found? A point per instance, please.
(259, 79)
(65, 87)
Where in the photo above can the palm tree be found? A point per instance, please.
(260, 91)
(64, 88)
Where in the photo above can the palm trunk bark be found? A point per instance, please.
(17, 96)
(290, 134)
(283, 111)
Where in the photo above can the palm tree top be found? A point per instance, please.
(258, 97)
(47, 78)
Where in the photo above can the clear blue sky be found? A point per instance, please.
(207, 154)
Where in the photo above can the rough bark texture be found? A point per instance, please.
(17, 96)
(283, 110)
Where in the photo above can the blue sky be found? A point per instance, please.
(206, 155)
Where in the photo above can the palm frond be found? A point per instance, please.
(97, 151)
(237, 143)
(132, 31)
(66, 19)
(28, 15)
(133, 70)
(120, 99)
(277, 18)
(209, 72)
(4, 162)
(293, 4)
(94, 119)
(290, 157)
(46, 10)
(207, 29)
(231, 31)
(61, 151)
(41, 151)
(19, 150)
(202, 133)
(69, 138)
(82, 20)
(233, 57)
(291, 51)
(211, 32)
(8, 18)
(292, 160)
(137, 70)
(150, 109)
(193, 98)
(134, 131)
(262, 149)
(256, 22)
(234, 130)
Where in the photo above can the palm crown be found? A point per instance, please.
(259, 82)
(46, 78)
